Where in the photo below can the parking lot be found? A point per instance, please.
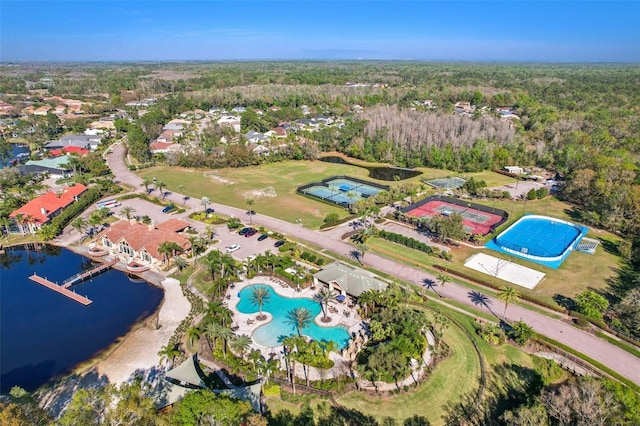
(250, 245)
(226, 238)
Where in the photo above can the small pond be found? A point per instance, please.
(377, 172)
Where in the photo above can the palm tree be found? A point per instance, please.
(241, 344)
(146, 182)
(169, 352)
(193, 336)
(323, 297)
(205, 201)
(328, 346)
(362, 248)
(299, 318)
(249, 202)
(218, 331)
(219, 313)
(5, 222)
(127, 211)
(289, 344)
(94, 220)
(161, 185)
(443, 278)
(79, 224)
(508, 294)
(180, 263)
(259, 296)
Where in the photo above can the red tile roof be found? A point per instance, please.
(69, 150)
(173, 225)
(141, 236)
(41, 208)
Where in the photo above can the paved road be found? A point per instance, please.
(609, 355)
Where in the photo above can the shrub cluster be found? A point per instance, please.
(414, 244)
(89, 197)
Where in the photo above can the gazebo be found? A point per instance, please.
(348, 280)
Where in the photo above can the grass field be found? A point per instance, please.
(233, 186)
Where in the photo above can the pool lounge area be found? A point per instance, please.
(342, 316)
(539, 239)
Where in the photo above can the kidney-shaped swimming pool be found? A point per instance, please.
(271, 334)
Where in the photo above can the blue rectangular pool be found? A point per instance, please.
(539, 239)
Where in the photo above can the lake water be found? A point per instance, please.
(44, 334)
(16, 150)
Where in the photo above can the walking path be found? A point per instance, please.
(605, 353)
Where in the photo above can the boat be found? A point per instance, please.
(134, 266)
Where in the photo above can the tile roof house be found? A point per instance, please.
(138, 242)
(69, 150)
(158, 147)
(348, 280)
(39, 211)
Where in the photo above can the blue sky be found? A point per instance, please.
(557, 31)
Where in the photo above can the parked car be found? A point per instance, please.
(169, 208)
(263, 237)
(233, 247)
(210, 210)
(250, 233)
(244, 230)
(279, 243)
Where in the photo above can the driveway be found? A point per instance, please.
(609, 355)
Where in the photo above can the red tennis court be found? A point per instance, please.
(474, 221)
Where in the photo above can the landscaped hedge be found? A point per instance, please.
(89, 197)
(414, 244)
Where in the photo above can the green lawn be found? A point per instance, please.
(233, 186)
(454, 377)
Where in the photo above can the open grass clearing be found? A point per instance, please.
(233, 186)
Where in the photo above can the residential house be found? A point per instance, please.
(258, 149)
(69, 150)
(54, 167)
(39, 211)
(43, 110)
(279, 132)
(90, 142)
(514, 169)
(159, 147)
(135, 241)
(256, 137)
(239, 109)
(464, 107)
(5, 108)
(230, 120)
(348, 280)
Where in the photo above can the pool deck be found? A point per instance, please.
(247, 323)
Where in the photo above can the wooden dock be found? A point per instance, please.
(82, 276)
(60, 289)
